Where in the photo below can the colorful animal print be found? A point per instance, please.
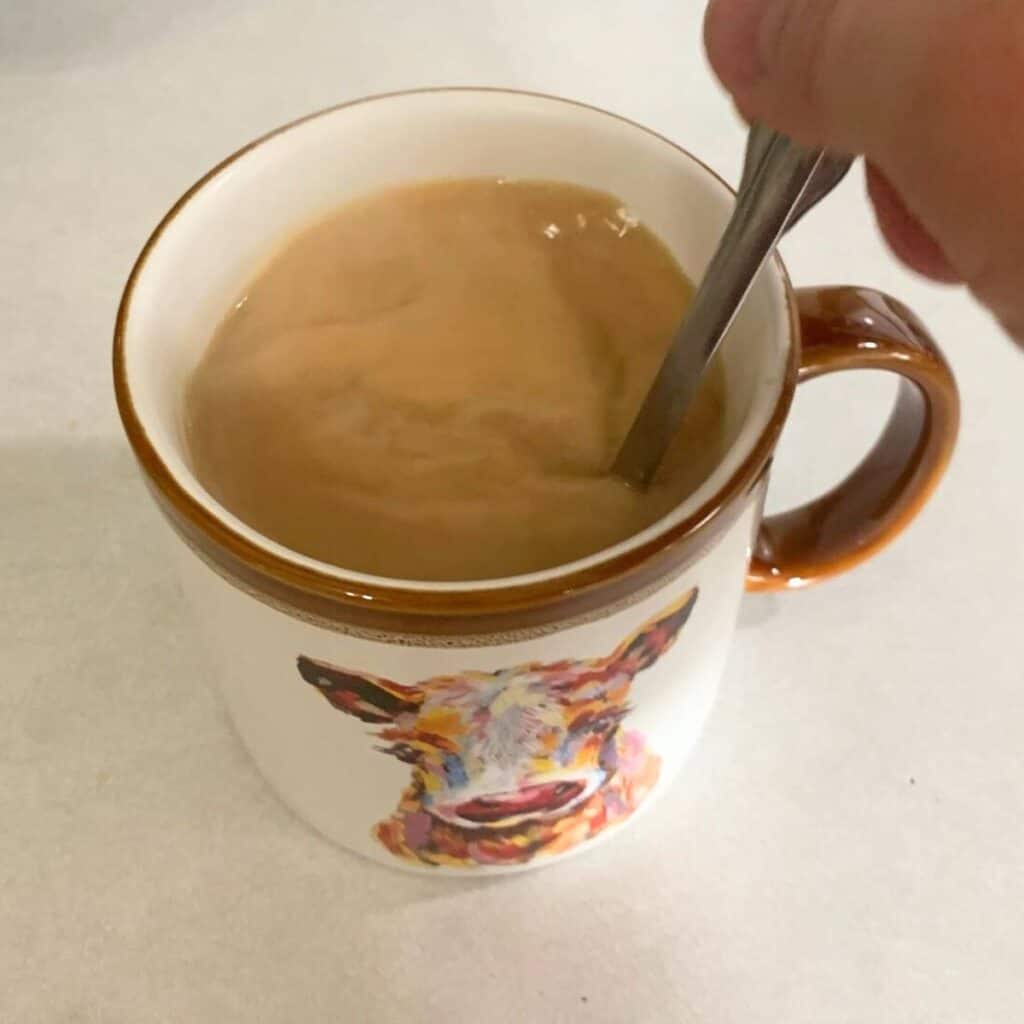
(510, 765)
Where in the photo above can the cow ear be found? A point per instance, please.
(651, 641)
(367, 697)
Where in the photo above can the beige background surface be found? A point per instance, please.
(845, 845)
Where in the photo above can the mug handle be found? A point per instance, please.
(857, 329)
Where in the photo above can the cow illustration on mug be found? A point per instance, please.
(515, 764)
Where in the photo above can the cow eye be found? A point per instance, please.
(404, 752)
(602, 724)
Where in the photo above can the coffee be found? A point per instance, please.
(432, 383)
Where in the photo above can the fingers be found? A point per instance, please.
(931, 91)
(801, 64)
(906, 235)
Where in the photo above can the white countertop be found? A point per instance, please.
(846, 844)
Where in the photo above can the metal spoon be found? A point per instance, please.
(781, 181)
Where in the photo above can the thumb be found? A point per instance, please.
(839, 72)
(929, 90)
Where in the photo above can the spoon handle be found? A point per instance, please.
(776, 179)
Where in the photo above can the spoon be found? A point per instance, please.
(781, 182)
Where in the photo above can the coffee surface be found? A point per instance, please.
(432, 383)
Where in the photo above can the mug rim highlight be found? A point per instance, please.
(394, 604)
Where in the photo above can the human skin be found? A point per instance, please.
(929, 91)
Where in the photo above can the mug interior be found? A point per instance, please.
(216, 240)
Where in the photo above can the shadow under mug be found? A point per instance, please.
(498, 725)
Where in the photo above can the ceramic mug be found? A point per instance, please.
(496, 725)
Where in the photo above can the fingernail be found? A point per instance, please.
(732, 33)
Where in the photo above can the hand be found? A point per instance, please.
(930, 91)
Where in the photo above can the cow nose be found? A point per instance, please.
(539, 798)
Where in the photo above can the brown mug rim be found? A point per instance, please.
(240, 556)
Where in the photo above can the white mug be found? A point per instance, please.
(497, 725)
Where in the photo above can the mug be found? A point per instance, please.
(492, 726)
